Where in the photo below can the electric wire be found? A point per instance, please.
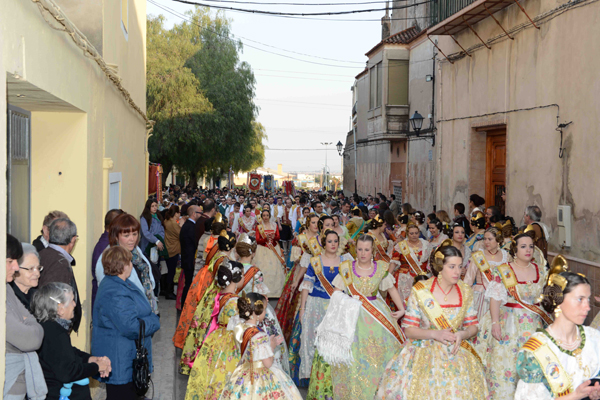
(301, 4)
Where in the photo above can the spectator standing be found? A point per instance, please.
(58, 262)
(189, 244)
(54, 307)
(23, 373)
(42, 241)
(117, 312)
(153, 235)
(172, 230)
(27, 278)
(394, 206)
(206, 212)
(533, 217)
(100, 247)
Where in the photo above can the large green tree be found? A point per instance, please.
(201, 96)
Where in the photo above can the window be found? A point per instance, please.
(375, 80)
(114, 190)
(398, 82)
(125, 17)
(19, 173)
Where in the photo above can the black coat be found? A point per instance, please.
(62, 363)
(189, 244)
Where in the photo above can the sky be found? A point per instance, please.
(301, 104)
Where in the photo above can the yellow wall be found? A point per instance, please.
(2, 214)
(79, 120)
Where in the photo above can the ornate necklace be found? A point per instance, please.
(364, 269)
(445, 294)
(493, 254)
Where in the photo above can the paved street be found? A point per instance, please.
(168, 383)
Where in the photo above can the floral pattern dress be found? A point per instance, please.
(218, 357)
(403, 272)
(473, 277)
(373, 346)
(581, 364)
(269, 258)
(251, 380)
(427, 366)
(517, 324)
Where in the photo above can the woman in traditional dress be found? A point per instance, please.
(478, 228)
(313, 305)
(438, 362)
(367, 339)
(269, 255)
(202, 281)
(355, 228)
(200, 321)
(559, 362)
(301, 223)
(382, 247)
(458, 241)
(437, 236)
(305, 246)
(246, 250)
(341, 230)
(219, 355)
(481, 267)
(507, 228)
(419, 219)
(247, 223)
(391, 224)
(514, 316)
(400, 232)
(410, 258)
(257, 376)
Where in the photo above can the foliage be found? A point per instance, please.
(201, 96)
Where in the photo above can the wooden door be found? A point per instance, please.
(495, 177)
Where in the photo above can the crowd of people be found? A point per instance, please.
(374, 300)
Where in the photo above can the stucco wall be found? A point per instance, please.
(537, 68)
(3, 106)
(102, 125)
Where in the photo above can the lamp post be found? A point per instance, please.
(326, 144)
(340, 148)
(416, 122)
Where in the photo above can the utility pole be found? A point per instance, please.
(326, 182)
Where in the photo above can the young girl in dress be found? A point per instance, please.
(257, 377)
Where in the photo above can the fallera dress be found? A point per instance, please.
(251, 380)
(480, 282)
(269, 257)
(517, 325)
(374, 345)
(427, 366)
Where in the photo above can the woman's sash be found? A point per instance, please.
(345, 269)
(485, 269)
(416, 269)
(558, 379)
(261, 230)
(315, 246)
(380, 249)
(510, 283)
(318, 268)
(436, 315)
(248, 276)
(358, 231)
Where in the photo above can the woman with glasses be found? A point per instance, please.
(27, 277)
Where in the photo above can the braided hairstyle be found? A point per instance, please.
(420, 217)
(229, 271)
(497, 234)
(251, 304)
(376, 223)
(440, 255)
(217, 227)
(478, 220)
(554, 295)
(226, 241)
(245, 249)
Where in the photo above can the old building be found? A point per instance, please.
(72, 77)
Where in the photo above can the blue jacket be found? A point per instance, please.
(149, 232)
(118, 308)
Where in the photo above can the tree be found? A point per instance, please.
(202, 99)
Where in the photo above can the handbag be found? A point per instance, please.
(154, 255)
(141, 366)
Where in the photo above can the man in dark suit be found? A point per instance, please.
(58, 262)
(209, 210)
(189, 244)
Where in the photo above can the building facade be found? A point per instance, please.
(73, 82)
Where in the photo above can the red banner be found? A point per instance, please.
(254, 183)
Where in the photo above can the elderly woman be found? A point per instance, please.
(53, 305)
(118, 310)
(24, 336)
(26, 278)
(125, 231)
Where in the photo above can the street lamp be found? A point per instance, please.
(326, 144)
(416, 121)
(340, 148)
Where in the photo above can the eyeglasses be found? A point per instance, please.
(37, 268)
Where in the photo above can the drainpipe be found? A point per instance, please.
(438, 195)
(355, 162)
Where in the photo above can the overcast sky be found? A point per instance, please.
(301, 104)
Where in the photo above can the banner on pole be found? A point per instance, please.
(254, 183)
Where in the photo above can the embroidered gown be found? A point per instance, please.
(403, 273)
(290, 300)
(473, 239)
(473, 277)
(302, 343)
(427, 366)
(373, 346)
(251, 380)
(517, 325)
(218, 356)
(269, 258)
(382, 249)
(436, 241)
(581, 364)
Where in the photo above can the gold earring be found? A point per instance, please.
(557, 312)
